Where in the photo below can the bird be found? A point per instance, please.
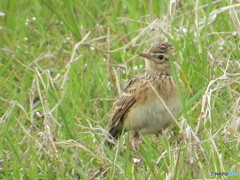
(143, 107)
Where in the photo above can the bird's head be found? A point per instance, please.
(156, 58)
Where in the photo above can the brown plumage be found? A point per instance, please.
(139, 108)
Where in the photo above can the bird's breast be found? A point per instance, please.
(149, 115)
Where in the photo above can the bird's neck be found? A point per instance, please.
(166, 70)
(156, 73)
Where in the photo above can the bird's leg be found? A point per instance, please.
(135, 141)
(135, 144)
(159, 133)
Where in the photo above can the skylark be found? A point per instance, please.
(150, 100)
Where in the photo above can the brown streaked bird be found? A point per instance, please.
(139, 109)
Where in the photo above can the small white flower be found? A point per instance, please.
(92, 48)
(34, 18)
(68, 38)
(184, 30)
(2, 14)
(136, 160)
(26, 38)
(234, 33)
(26, 23)
(135, 68)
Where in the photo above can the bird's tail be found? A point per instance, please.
(114, 134)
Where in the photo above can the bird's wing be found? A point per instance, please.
(126, 100)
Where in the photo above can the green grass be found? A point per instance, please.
(56, 98)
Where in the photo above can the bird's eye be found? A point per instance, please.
(160, 57)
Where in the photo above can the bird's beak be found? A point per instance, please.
(145, 55)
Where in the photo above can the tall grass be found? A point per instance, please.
(63, 63)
